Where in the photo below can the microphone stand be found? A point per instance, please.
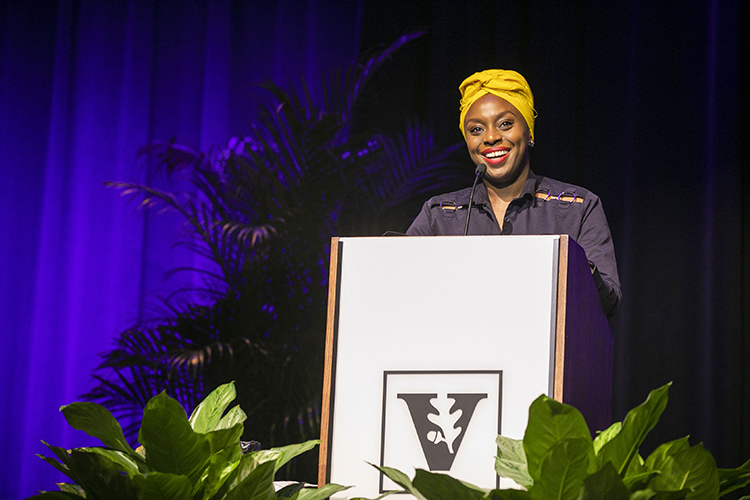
(478, 174)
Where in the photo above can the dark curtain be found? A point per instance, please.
(83, 84)
(638, 101)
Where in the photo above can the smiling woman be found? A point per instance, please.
(497, 121)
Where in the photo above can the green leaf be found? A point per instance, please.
(511, 461)
(96, 421)
(605, 484)
(649, 494)
(221, 465)
(123, 461)
(436, 486)
(658, 457)
(290, 490)
(563, 470)
(171, 444)
(637, 474)
(606, 436)
(55, 495)
(257, 485)
(400, 479)
(61, 467)
(207, 415)
(693, 469)
(225, 438)
(510, 495)
(162, 486)
(100, 477)
(637, 424)
(321, 493)
(550, 422)
(233, 417)
(733, 479)
(76, 489)
(283, 454)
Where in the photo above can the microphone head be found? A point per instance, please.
(480, 170)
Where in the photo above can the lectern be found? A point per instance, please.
(435, 345)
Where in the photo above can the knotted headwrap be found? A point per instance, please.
(503, 83)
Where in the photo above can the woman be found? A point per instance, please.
(497, 122)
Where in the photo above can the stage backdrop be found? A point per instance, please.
(638, 101)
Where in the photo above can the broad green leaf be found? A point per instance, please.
(693, 469)
(605, 484)
(100, 477)
(76, 489)
(283, 454)
(637, 424)
(400, 479)
(648, 494)
(257, 485)
(290, 490)
(733, 479)
(637, 475)
(125, 462)
(221, 465)
(96, 421)
(436, 486)
(563, 470)
(321, 493)
(233, 417)
(656, 460)
(171, 444)
(606, 436)
(163, 486)
(55, 495)
(510, 495)
(549, 423)
(225, 438)
(59, 466)
(511, 461)
(638, 481)
(207, 414)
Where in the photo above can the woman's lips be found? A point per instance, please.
(496, 156)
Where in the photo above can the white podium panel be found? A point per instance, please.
(436, 345)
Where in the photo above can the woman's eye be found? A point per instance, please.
(506, 124)
(475, 130)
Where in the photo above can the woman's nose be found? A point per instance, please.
(493, 136)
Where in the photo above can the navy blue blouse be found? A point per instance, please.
(546, 206)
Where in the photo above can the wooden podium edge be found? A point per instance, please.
(583, 340)
(325, 413)
(562, 302)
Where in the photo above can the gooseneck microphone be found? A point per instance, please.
(478, 174)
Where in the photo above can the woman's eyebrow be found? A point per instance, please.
(481, 119)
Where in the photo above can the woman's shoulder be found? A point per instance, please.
(557, 188)
(458, 197)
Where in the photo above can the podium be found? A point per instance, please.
(435, 345)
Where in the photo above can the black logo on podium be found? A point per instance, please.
(441, 423)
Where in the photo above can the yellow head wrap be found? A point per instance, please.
(503, 83)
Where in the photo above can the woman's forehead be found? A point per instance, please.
(490, 104)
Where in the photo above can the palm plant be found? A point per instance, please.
(262, 212)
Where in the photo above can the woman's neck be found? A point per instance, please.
(506, 194)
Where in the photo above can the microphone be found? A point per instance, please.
(478, 174)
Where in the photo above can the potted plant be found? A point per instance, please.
(180, 458)
(558, 459)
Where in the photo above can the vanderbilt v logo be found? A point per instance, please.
(441, 424)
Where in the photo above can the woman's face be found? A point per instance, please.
(497, 135)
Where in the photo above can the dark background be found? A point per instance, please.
(638, 101)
